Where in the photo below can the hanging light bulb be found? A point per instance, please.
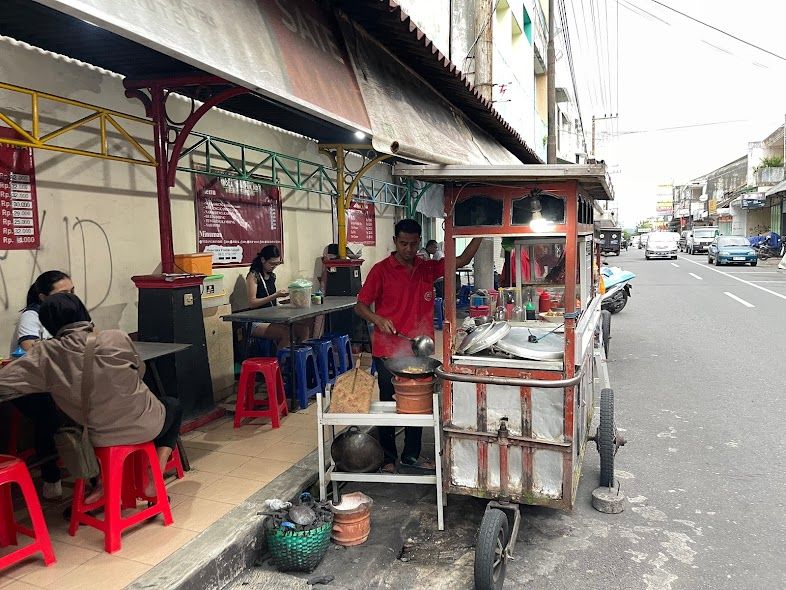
(538, 223)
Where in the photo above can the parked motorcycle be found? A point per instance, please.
(770, 245)
(618, 288)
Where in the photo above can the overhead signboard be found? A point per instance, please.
(753, 200)
(664, 206)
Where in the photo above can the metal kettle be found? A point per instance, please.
(356, 452)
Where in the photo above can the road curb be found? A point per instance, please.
(231, 545)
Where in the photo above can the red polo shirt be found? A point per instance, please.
(405, 297)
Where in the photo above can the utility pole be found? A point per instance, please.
(483, 266)
(604, 118)
(551, 93)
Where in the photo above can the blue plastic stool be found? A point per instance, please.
(309, 383)
(463, 298)
(327, 358)
(343, 348)
(439, 313)
(263, 347)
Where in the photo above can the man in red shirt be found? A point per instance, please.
(401, 289)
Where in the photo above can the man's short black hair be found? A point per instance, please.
(430, 242)
(407, 226)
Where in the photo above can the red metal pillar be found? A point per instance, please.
(160, 132)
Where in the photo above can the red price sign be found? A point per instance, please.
(18, 202)
(361, 224)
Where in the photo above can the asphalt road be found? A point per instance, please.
(697, 365)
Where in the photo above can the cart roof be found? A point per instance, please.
(593, 179)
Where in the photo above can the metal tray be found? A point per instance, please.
(483, 337)
(550, 348)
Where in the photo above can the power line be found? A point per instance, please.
(721, 31)
(714, 123)
(569, 51)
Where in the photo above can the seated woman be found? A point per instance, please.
(262, 292)
(122, 410)
(39, 407)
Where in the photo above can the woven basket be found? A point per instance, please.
(298, 550)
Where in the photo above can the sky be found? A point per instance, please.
(674, 72)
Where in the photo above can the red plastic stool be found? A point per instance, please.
(176, 463)
(14, 429)
(275, 406)
(12, 470)
(123, 482)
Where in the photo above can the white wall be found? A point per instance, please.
(100, 220)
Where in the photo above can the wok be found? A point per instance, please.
(412, 367)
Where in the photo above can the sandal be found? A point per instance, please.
(389, 468)
(421, 463)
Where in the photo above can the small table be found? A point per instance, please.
(289, 315)
(149, 352)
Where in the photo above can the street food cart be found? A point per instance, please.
(518, 394)
(609, 237)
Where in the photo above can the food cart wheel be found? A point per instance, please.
(490, 556)
(605, 438)
(605, 330)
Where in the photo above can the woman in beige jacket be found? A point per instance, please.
(122, 410)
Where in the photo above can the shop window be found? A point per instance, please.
(478, 210)
(527, 25)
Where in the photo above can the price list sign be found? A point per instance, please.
(18, 204)
(236, 218)
(361, 224)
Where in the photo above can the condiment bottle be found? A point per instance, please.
(544, 302)
(530, 309)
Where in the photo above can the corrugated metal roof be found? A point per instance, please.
(385, 20)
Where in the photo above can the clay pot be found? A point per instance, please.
(352, 519)
(414, 396)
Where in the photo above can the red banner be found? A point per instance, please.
(236, 218)
(361, 224)
(18, 202)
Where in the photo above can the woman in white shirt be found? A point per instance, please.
(39, 407)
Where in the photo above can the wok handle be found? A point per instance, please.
(490, 380)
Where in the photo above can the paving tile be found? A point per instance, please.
(229, 489)
(69, 557)
(290, 452)
(104, 572)
(214, 461)
(194, 481)
(11, 584)
(153, 542)
(261, 470)
(196, 514)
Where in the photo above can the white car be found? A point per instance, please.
(662, 244)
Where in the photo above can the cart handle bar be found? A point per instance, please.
(489, 380)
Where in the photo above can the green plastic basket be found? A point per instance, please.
(298, 550)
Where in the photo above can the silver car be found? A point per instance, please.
(661, 245)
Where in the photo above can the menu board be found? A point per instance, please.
(18, 203)
(236, 218)
(361, 224)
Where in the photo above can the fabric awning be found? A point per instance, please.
(289, 51)
(408, 117)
